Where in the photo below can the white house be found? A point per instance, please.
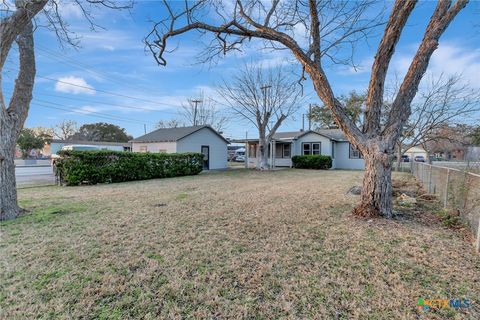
(54, 146)
(416, 151)
(201, 139)
(330, 142)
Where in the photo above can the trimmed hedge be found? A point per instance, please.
(92, 167)
(312, 162)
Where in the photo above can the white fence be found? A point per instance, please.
(459, 190)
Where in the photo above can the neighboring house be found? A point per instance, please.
(329, 142)
(55, 145)
(416, 151)
(201, 139)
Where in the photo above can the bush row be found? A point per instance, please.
(92, 167)
(312, 162)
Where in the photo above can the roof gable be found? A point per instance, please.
(173, 134)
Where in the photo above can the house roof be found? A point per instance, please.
(173, 134)
(92, 143)
(333, 134)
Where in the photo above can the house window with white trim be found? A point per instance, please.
(309, 148)
(354, 153)
(143, 148)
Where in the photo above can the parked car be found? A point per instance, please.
(240, 158)
(405, 158)
(419, 159)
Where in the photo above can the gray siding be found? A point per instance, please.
(206, 137)
(312, 137)
(342, 159)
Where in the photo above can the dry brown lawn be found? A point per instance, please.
(234, 244)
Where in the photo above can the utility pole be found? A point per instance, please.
(264, 90)
(196, 102)
(309, 117)
(145, 128)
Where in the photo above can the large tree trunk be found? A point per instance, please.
(8, 191)
(399, 157)
(376, 198)
(262, 154)
(13, 118)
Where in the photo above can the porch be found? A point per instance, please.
(279, 154)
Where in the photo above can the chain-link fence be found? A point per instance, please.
(459, 190)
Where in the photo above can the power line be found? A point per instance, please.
(102, 103)
(100, 90)
(58, 56)
(95, 114)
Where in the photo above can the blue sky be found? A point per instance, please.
(114, 60)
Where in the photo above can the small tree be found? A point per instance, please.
(162, 124)
(443, 101)
(475, 136)
(102, 131)
(29, 140)
(65, 129)
(265, 98)
(203, 111)
(322, 117)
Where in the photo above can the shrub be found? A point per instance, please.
(312, 162)
(92, 167)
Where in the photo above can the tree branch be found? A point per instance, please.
(398, 18)
(401, 109)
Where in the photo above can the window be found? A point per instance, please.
(286, 150)
(354, 153)
(162, 151)
(311, 148)
(143, 148)
(306, 149)
(333, 149)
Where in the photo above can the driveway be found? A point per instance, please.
(34, 176)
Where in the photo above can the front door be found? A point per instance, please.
(206, 157)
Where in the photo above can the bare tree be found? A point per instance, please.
(442, 102)
(17, 26)
(264, 97)
(202, 110)
(317, 33)
(65, 129)
(173, 123)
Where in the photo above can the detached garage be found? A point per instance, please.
(201, 139)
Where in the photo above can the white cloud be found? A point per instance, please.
(70, 10)
(75, 85)
(449, 59)
(364, 66)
